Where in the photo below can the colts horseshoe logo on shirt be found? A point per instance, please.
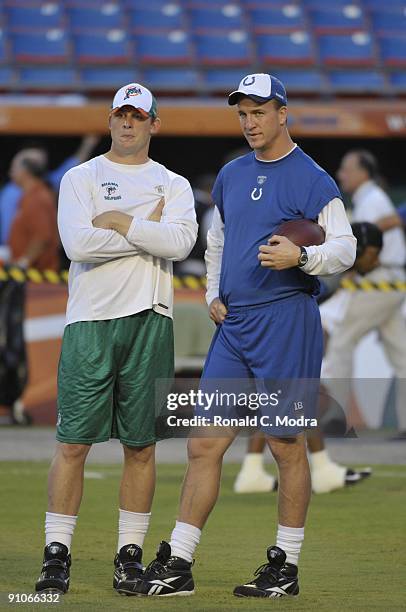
(256, 193)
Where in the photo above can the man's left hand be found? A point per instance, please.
(279, 254)
(115, 220)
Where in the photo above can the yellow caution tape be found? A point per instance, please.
(193, 283)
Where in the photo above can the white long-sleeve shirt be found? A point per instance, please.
(111, 275)
(335, 255)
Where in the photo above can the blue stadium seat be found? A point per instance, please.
(3, 48)
(295, 48)
(398, 81)
(39, 47)
(386, 3)
(387, 21)
(165, 48)
(286, 18)
(347, 49)
(301, 81)
(149, 4)
(228, 49)
(48, 78)
(228, 17)
(45, 15)
(171, 79)
(223, 79)
(107, 16)
(346, 18)
(110, 47)
(322, 4)
(357, 81)
(106, 77)
(6, 77)
(167, 17)
(393, 50)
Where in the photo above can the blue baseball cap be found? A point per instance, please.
(260, 88)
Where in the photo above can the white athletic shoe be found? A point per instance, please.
(258, 481)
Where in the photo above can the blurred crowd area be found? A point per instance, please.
(371, 178)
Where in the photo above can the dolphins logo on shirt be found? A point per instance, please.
(260, 181)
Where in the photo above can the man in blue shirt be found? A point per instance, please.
(261, 294)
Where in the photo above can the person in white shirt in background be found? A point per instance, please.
(123, 218)
(357, 313)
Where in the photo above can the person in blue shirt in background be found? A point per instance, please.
(10, 194)
(261, 293)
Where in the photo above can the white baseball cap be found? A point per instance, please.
(138, 96)
(260, 88)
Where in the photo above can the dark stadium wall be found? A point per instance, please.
(193, 156)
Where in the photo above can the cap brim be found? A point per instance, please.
(140, 110)
(236, 96)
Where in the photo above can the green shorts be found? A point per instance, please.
(106, 379)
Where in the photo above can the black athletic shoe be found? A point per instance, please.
(273, 579)
(54, 576)
(166, 576)
(128, 569)
(354, 476)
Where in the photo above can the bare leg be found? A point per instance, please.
(315, 441)
(65, 481)
(202, 479)
(294, 479)
(256, 442)
(138, 479)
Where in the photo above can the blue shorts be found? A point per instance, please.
(273, 350)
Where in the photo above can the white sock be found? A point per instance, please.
(59, 528)
(290, 540)
(132, 528)
(184, 540)
(319, 459)
(253, 462)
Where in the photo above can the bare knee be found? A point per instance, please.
(142, 455)
(72, 453)
(288, 450)
(208, 449)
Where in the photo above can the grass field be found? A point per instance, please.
(351, 559)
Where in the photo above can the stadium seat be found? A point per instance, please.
(357, 81)
(110, 47)
(322, 4)
(388, 21)
(228, 17)
(223, 79)
(6, 77)
(279, 18)
(171, 79)
(228, 49)
(301, 81)
(342, 19)
(166, 48)
(106, 77)
(168, 17)
(3, 48)
(393, 50)
(386, 3)
(45, 15)
(48, 78)
(398, 81)
(347, 49)
(107, 16)
(39, 47)
(295, 48)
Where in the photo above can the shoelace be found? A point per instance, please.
(266, 568)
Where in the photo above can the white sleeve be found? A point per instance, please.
(338, 252)
(174, 236)
(213, 256)
(82, 242)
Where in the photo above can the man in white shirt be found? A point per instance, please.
(360, 312)
(123, 218)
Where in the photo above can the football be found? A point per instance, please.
(302, 232)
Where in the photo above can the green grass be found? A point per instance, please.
(350, 560)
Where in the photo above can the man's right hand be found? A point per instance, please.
(217, 311)
(157, 212)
